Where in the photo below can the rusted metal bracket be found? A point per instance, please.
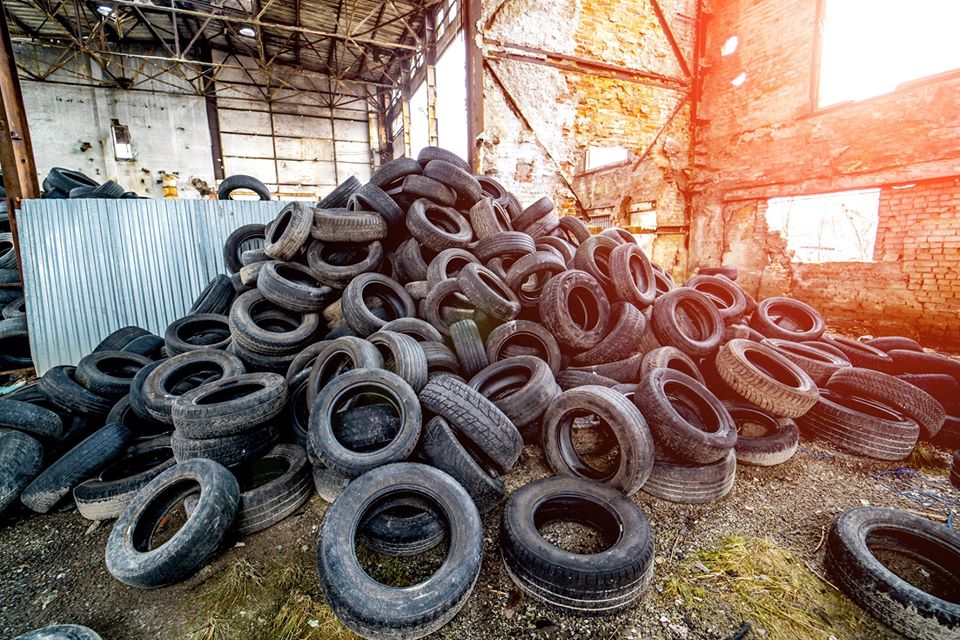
(667, 31)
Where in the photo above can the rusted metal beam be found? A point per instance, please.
(430, 64)
(405, 108)
(667, 31)
(16, 151)
(471, 10)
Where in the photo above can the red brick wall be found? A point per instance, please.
(766, 139)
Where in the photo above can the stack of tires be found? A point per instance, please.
(403, 341)
(62, 184)
(14, 339)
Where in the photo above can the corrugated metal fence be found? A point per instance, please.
(93, 266)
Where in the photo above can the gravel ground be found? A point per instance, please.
(53, 569)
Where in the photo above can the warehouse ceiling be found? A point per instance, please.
(356, 42)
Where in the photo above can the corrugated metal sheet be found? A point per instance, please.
(93, 266)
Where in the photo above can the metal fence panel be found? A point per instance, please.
(93, 266)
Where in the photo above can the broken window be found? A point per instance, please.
(869, 47)
(830, 227)
(122, 145)
(602, 156)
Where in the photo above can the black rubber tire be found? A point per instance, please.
(335, 265)
(293, 287)
(765, 378)
(805, 323)
(725, 295)
(30, 418)
(509, 244)
(375, 610)
(150, 346)
(495, 441)
(393, 297)
(728, 272)
(230, 451)
(249, 183)
(619, 416)
(529, 274)
(168, 380)
(522, 387)
(670, 358)
(229, 406)
(395, 170)
(106, 496)
(14, 309)
(21, 459)
(763, 440)
(463, 183)
(288, 233)
(340, 195)
(440, 359)
(142, 428)
(573, 378)
(419, 330)
(913, 362)
(687, 483)
(258, 326)
(332, 398)
(403, 356)
(817, 363)
(75, 466)
(688, 421)
(889, 343)
(441, 447)
(109, 373)
(860, 354)
(436, 301)
(556, 246)
(348, 226)
(488, 293)
(370, 197)
(411, 260)
(488, 218)
(528, 335)
(215, 297)
(197, 331)
(631, 276)
(593, 257)
(575, 309)
(949, 435)
(944, 388)
(129, 556)
(65, 393)
(437, 227)
(468, 345)
(338, 356)
(232, 248)
(447, 264)
(850, 561)
(401, 528)
(620, 342)
(686, 319)
(61, 632)
(902, 396)
(65, 180)
(582, 584)
(860, 426)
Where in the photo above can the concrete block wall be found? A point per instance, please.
(766, 138)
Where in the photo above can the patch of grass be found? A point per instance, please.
(768, 586)
(927, 459)
(215, 628)
(301, 617)
(234, 585)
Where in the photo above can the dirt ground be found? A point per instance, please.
(53, 570)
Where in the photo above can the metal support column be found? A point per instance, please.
(430, 62)
(405, 108)
(474, 58)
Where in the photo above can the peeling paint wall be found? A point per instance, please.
(766, 139)
(539, 120)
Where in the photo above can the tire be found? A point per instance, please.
(763, 440)
(949, 435)
(686, 319)
(348, 226)
(488, 293)
(701, 440)
(438, 227)
(575, 310)
(192, 545)
(293, 287)
(395, 170)
(375, 610)
(63, 392)
(766, 379)
(902, 396)
(620, 342)
(340, 195)
(860, 426)
(65, 180)
(728, 272)
(396, 302)
(850, 560)
(593, 257)
(30, 419)
(287, 234)
(621, 418)
(913, 362)
(631, 276)
(197, 331)
(337, 357)
(573, 378)
(440, 359)
(258, 326)
(419, 330)
(15, 344)
(805, 323)
(21, 459)
(522, 388)
(215, 297)
(448, 264)
(106, 496)
(229, 406)
(249, 183)
(526, 334)
(818, 364)
(509, 244)
(332, 398)
(725, 295)
(528, 275)
(441, 447)
(142, 428)
(335, 265)
(370, 197)
(494, 441)
(75, 466)
(467, 188)
(411, 262)
(235, 241)
(889, 343)
(328, 483)
(670, 358)
(488, 218)
(149, 346)
(687, 483)
(468, 346)
(944, 388)
(401, 528)
(860, 354)
(434, 303)
(170, 379)
(230, 451)
(61, 632)
(15, 309)
(109, 373)
(403, 356)
(582, 584)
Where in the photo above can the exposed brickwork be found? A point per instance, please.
(766, 139)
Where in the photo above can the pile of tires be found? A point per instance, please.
(14, 337)
(63, 184)
(397, 346)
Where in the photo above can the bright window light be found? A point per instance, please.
(829, 227)
(740, 79)
(730, 46)
(602, 156)
(871, 46)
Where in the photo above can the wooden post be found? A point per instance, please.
(430, 64)
(474, 59)
(405, 108)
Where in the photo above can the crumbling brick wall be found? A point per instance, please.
(766, 139)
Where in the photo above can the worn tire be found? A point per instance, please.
(575, 309)
(393, 297)
(818, 364)
(763, 440)
(229, 406)
(686, 319)
(21, 459)
(30, 419)
(805, 323)
(197, 331)
(670, 358)
(687, 483)
(230, 451)
(63, 392)
(860, 426)
(109, 373)
(168, 380)
(766, 379)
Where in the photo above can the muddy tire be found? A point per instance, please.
(763, 440)
(522, 387)
(230, 406)
(687, 483)
(63, 391)
(21, 459)
(766, 379)
(670, 358)
(29, 418)
(860, 426)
